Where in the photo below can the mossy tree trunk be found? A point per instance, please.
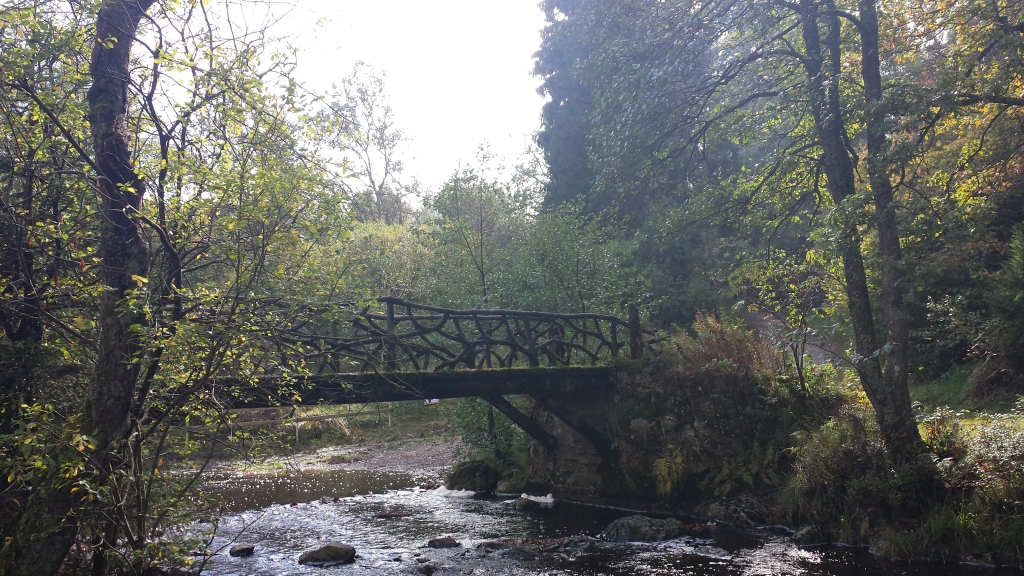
(48, 527)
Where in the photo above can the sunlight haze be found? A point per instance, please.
(458, 72)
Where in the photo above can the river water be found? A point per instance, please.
(389, 519)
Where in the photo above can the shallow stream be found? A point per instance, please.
(389, 520)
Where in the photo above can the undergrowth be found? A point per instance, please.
(843, 481)
(713, 417)
(720, 415)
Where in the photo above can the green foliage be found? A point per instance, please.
(480, 220)
(843, 481)
(479, 432)
(842, 476)
(1007, 301)
(984, 514)
(486, 246)
(713, 418)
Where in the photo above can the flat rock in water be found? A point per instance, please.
(446, 542)
(331, 554)
(642, 529)
(242, 550)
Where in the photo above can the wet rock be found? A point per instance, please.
(242, 550)
(810, 535)
(491, 545)
(746, 511)
(642, 529)
(422, 560)
(523, 553)
(331, 554)
(508, 487)
(427, 569)
(475, 475)
(701, 529)
(446, 542)
(725, 512)
(526, 504)
(778, 529)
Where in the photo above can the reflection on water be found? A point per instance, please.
(389, 520)
(251, 491)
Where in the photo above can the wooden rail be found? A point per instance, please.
(411, 337)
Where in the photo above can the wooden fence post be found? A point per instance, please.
(636, 336)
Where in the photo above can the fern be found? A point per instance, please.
(669, 470)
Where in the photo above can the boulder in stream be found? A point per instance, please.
(642, 529)
(446, 542)
(331, 554)
(475, 475)
(527, 502)
(242, 550)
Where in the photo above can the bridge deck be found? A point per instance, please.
(359, 388)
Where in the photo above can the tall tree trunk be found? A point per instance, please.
(897, 419)
(122, 249)
(48, 526)
(890, 401)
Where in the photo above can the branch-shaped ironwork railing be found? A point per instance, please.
(415, 337)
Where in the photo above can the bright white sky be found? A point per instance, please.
(458, 72)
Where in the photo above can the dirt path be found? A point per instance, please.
(821, 348)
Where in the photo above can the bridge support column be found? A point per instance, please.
(600, 441)
(526, 423)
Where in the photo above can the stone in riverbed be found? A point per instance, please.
(475, 475)
(642, 529)
(446, 542)
(331, 554)
(241, 550)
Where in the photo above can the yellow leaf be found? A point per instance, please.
(80, 322)
(139, 280)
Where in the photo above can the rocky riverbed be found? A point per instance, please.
(383, 501)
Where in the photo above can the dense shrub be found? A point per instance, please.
(843, 482)
(713, 417)
(843, 479)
